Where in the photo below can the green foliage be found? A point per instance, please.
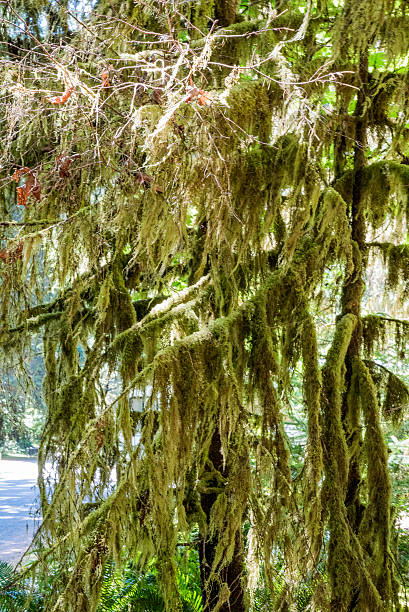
(13, 598)
(122, 589)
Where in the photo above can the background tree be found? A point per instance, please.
(183, 183)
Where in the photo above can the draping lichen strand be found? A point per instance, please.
(197, 187)
(313, 462)
(374, 531)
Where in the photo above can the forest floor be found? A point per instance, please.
(18, 492)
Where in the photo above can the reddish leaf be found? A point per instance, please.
(31, 186)
(105, 79)
(62, 99)
(13, 254)
(20, 172)
(192, 93)
(204, 98)
(63, 163)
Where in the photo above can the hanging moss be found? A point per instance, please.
(313, 465)
(373, 332)
(374, 532)
(191, 211)
(398, 265)
(378, 328)
(392, 393)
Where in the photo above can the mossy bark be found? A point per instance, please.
(352, 525)
(232, 574)
(351, 302)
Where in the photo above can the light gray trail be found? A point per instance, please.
(18, 492)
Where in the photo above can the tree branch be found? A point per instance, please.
(22, 224)
(385, 317)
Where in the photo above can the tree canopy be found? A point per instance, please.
(188, 188)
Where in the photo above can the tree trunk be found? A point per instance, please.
(351, 303)
(233, 572)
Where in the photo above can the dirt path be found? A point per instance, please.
(18, 491)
